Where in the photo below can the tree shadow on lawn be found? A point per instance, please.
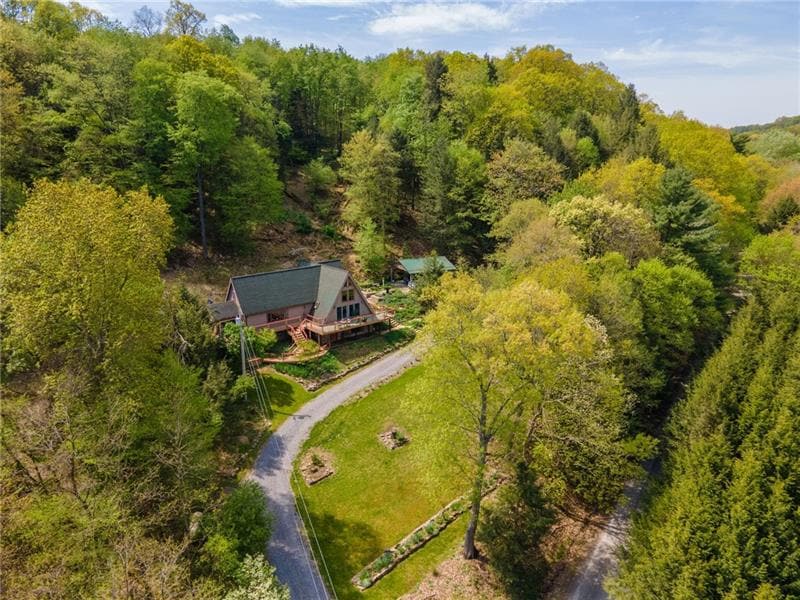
(348, 547)
(281, 392)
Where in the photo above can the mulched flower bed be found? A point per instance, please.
(393, 438)
(316, 465)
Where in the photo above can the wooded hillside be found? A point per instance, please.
(602, 248)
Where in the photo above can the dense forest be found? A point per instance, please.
(603, 249)
(724, 523)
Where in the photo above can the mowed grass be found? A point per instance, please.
(378, 496)
(285, 395)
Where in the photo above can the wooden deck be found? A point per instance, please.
(320, 327)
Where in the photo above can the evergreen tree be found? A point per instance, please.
(687, 221)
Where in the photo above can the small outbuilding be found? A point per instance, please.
(411, 267)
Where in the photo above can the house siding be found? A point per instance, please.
(292, 312)
(359, 299)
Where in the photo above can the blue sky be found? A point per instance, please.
(725, 63)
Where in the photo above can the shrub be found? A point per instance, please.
(308, 347)
(319, 177)
(219, 557)
(244, 517)
(384, 561)
(259, 341)
(301, 222)
(330, 231)
(312, 369)
(240, 527)
(407, 306)
(256, 580)
(242, 388)
(317, 461)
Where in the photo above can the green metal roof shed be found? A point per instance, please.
(415, 266)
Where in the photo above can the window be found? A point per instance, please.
(275, 316)
(355, 309)
(348, 295)
(341, 312)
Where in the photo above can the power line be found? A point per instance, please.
(262, 394)
(308, 517)
(314, 532)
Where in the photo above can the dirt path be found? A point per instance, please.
(288, 548)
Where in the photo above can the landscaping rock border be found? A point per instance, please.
(391, 557)
(312, 385)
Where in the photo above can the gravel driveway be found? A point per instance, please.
(288, 548)
(602, 562)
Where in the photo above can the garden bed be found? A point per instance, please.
(394, 438)
(342, 360)
(294, 358)
(386, 562)
(316, 465)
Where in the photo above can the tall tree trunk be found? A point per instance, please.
(201, 203)
(470, 551)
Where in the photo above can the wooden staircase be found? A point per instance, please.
(298, 334)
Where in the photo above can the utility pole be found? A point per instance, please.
(241, 344)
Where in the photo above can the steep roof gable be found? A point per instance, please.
(263, 292)
(331, 281)
(315, 283)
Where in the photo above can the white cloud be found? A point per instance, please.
(334, 3)
(434, 17)
(235, 18)
(704, 52)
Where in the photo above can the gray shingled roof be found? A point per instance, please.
(309, 284)
(223, 311)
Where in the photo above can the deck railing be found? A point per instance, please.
(320, 325)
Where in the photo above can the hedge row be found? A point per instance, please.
(390, 558)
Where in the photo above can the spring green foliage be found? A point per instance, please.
(371, 250)
(370, 165)
(257, 581)
(521, 172)
(111, 443)
(258, 341)
(319, 177)
(604, 226)
(607, 235)
(240, 528)
(506, 361)
(724, 522)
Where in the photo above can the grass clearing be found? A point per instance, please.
(377, 496)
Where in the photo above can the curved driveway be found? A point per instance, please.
(288, 548)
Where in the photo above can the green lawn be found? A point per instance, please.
(377, 496)
(286, 396)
